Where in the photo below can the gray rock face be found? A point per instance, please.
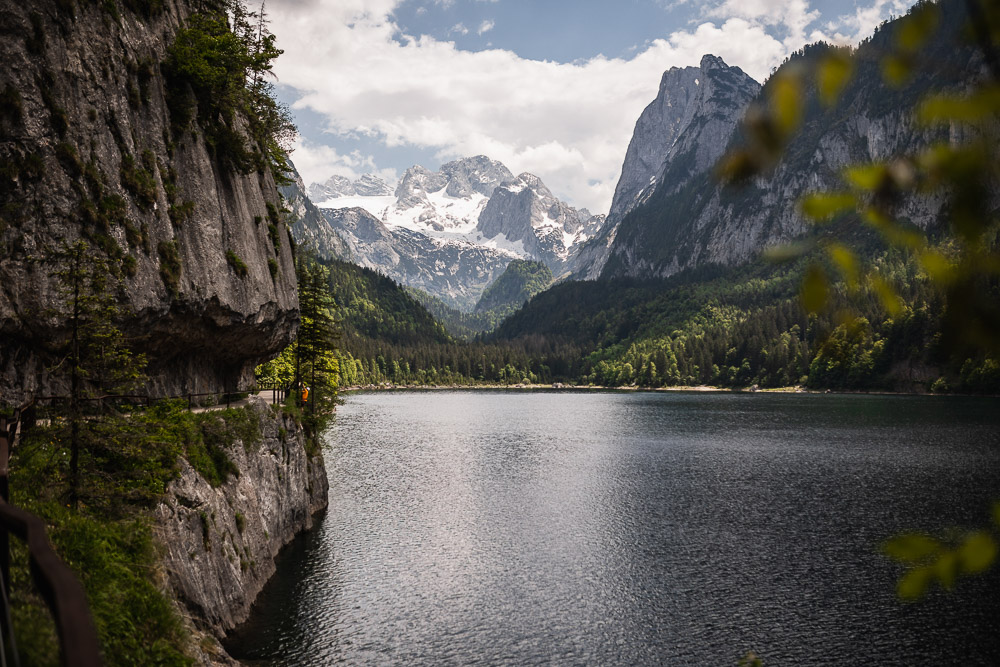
(703, 222)
(370, 185)
(460, 180)
(309, 228)
(335, 186)
(93, 101)
(220, 543)
(682, 133)
(453, 231)
(454, 271)
(524, 210)
(693, 115)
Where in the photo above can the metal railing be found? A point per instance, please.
(58, 586)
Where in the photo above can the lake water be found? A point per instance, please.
(634, 528)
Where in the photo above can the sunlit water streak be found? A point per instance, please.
(522, 528)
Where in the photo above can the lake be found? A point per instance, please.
(609, 528)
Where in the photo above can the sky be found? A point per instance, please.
(550, 87)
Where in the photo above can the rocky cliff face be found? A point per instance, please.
(682, 133)
(220, 543)
(703, 222)
(309, 228)
(88, 152)
(524, 211)
(457, 272)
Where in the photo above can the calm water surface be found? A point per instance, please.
(582, 528)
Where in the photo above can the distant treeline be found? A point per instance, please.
(724, 327)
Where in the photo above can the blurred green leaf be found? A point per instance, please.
(896, 69)
(786, 102)
(938, 267)
(977, 552)
(833, 73)
(887, 295)
(737, 167)
(946, 569)
(787, 252)
(982, 105)
(847, 263)
(815, 289)
(912, 548)
(825, 205)
(916, 29)
(866, 176)
(913, 584)
(893, 232)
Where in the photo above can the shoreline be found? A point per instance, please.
(682, 389)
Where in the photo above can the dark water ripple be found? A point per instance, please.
(531, 528)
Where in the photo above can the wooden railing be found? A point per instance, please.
(58, 586)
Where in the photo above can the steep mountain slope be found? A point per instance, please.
(368, 185)
(520, 282)
(457, 272)
(704, 222)
(309, 227)
(94, 146)
(678, 136)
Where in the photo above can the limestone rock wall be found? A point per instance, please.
(84, 110)
(220, 542)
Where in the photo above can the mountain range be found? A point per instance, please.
(450, 232)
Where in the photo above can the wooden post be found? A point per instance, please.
(8, 429)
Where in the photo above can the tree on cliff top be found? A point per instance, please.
(217, 72)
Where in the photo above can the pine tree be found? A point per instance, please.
(95, 354)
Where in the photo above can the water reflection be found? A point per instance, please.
(633, 529)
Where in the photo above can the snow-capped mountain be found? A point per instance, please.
(368, 185)
(457, 273)
(466, 220)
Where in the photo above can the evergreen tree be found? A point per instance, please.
(95, 355)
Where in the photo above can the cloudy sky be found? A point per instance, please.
(552, 87)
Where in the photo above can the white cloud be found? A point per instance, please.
(793, 16)
(460, 29)
(316, 163)
(568, 123)
(486, 26)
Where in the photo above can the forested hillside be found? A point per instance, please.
(389, 337)
(747, 326)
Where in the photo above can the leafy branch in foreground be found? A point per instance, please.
(961, 167)
(929, 559)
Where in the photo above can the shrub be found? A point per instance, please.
(170, 266)
(11, 105)
(139, 181)
(237, 264)
(179, 213)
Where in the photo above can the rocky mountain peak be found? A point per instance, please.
(696, 109)
(368, 185)
(682, 133)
